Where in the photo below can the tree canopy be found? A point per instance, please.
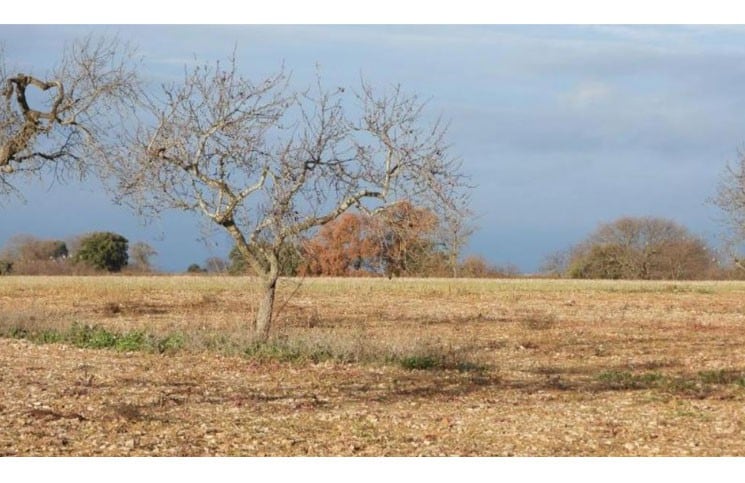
(103, 251)
(645, 248)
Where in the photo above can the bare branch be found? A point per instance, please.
(95, 82)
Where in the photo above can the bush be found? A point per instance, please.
(28, 255)
(6, 267)
(103, 251)
(195, 268)
(91, 337)
(477, 267)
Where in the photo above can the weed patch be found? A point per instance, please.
(286, 352)
(623, 380)
(699, 384)
(420, 362)
(87, 337)
(171, 343)
(723, 376)
(422, 356)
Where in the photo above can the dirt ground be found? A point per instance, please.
(549, 368)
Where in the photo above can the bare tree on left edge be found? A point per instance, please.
(65, 119)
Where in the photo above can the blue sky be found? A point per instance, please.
(560, 127)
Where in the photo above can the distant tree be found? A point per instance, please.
(555, 264)
(216, 265)
(237, 264)
(641, 248)
(29, 248)
(289, 260)
(399, 240)
(453, 231)
(730, 198)
(140, 254)
(103, 251)
(270, 165)
(83, 98)
(607, 261)
(6, 267)
(407, 237)
(348, 245)
(195, 268)
(29, 255)
(476, 266)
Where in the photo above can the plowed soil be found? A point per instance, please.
(554, 368)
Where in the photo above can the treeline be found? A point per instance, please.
(399, 241)
(90, 253)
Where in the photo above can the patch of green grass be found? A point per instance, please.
(287, 351)
(723, 376)
(437, 362)
(420, 362)
(50, 337)
(170, 343)
(131, 341)
(700, 384)
(624, 380)
(89, 337)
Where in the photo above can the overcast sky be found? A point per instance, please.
(560, 127)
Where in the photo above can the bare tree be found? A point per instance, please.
(65, 117)
(555, 264)
(730, 198)
(216, 265)
(454, 230)
(645, 248)
(140, 255)
(270, 165)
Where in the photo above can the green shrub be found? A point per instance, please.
(90, 337)
(130, 341)
(195, 268)
(103, 251)
(6, 267)
(50, 337)
(420, 362)
(170, 343)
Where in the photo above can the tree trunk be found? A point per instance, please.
(263, 320)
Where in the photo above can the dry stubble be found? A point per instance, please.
(564, 368)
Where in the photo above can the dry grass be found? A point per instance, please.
(375, 367)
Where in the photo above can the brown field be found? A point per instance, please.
(375, 367)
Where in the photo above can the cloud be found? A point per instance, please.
(588, 93)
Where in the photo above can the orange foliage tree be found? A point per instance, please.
(399, 240)
(344, 246)
(408, 241)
